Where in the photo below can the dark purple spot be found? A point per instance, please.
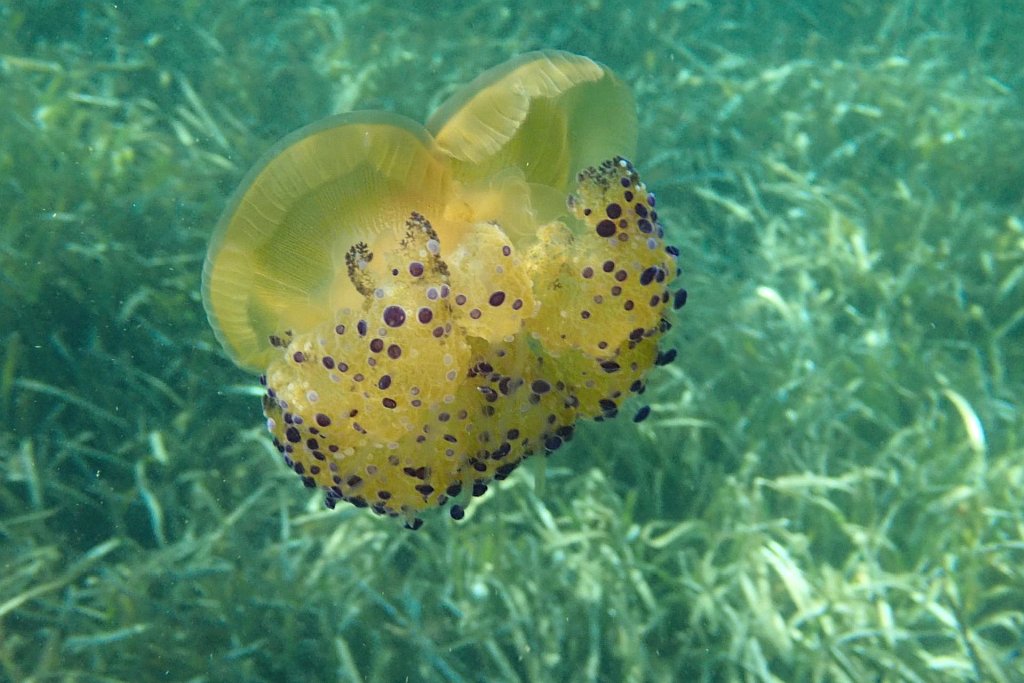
(587, 272)
(608, 407)
(608, 266)
(647, 277)
(394, 352)
(540, 386)
(642, 414)
(457, 512)
(605, 228)
(517, 304)
(665, 357)
(416, 269)
(389, 403)
(377, 345)
(506, 250)
(424, 315)
(299, 356)
(339, 329)
(328, 362)
(394, 316)
(292, 434)
(460, 299)
(361, 328)
(384, 382)
(613, 210)
(323, 420)
(497, 299)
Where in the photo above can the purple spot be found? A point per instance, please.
(394, 316)
(424, 315)
(497, 299)
(606, 228)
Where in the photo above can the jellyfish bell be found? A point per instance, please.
(548, 113)
(277, 260)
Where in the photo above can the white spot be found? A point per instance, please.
(312, 396)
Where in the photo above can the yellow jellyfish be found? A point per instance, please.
(428, 306)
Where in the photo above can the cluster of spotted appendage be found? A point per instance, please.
(463, 362)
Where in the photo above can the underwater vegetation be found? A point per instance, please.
(828, 486)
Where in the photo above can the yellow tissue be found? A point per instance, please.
(430, 305)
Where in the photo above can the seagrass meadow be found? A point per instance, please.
(829, 485)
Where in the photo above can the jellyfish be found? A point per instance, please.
(428, 305)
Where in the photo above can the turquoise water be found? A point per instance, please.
(828, 486)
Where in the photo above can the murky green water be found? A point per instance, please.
(829, 483)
